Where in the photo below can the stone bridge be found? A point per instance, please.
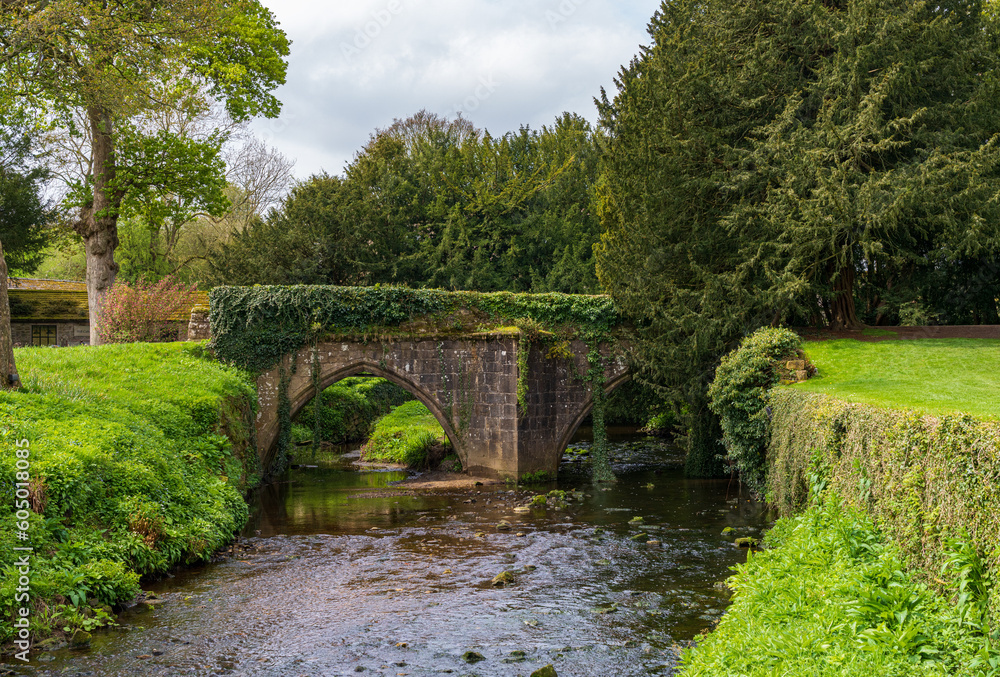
(470, 385)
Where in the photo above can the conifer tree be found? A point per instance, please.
(761, 155)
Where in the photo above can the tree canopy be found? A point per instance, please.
(432, 202)
(776, 161)
(23, 211)
(108, 64)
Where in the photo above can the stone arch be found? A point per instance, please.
(329, 376)
(587, 407)
(469, 383)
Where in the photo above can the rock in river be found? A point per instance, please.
(503, 579)
(473, 657)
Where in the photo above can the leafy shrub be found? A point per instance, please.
(632, 404)
(350, 407)
(408, 434)
(142, 312)
(833, 596)
(738, 395)
(661, 423)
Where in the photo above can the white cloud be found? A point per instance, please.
(356, 66)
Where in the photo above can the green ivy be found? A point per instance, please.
(738, 395)
(253, 327)
(600, 457)
(928, 482)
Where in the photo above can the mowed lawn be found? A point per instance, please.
(936, 376)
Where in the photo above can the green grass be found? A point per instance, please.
(139, 459)
(406, 435)
(935, 376)
(834, 598)
(876, 331)
(350, 408)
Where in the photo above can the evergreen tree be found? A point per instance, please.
(432, 202)
(763, 156)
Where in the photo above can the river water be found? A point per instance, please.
(342, 573)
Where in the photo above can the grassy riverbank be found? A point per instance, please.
(409, 434)
(833, 597)
(139, 457)
(350, 407)
(897, 575)
(935, 376)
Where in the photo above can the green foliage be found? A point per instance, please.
(23, 212)
(408, 435)
(936, 376)
(431, 202)
(633, 404)
(928, 482)
(140, 454)
(112, 68)
(832, 596)
(252, 327)
(350, 407)
(762, 156)
(739, 398)
(663, 422)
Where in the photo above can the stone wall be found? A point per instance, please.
(67, 333)
(198, 327)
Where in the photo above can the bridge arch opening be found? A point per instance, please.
(588, 408)
(306, 394)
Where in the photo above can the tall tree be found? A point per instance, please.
(763, 155)
(23, 215)
(111, 61)
(8, 369)
(435, 202)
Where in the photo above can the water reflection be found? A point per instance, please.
(351, 576)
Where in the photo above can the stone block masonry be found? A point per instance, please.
(468, 383)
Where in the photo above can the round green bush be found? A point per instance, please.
(738, 395)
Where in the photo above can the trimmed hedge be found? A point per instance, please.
(932, 484)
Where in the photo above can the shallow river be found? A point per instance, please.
(339, 574)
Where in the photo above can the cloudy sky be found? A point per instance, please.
(355, 66)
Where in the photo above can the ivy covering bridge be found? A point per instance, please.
(510, 377)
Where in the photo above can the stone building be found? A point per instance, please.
(55, 313)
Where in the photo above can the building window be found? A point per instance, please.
(43, 335)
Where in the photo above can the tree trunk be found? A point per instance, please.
(98, 221)
(844, 315)
(8, 370)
